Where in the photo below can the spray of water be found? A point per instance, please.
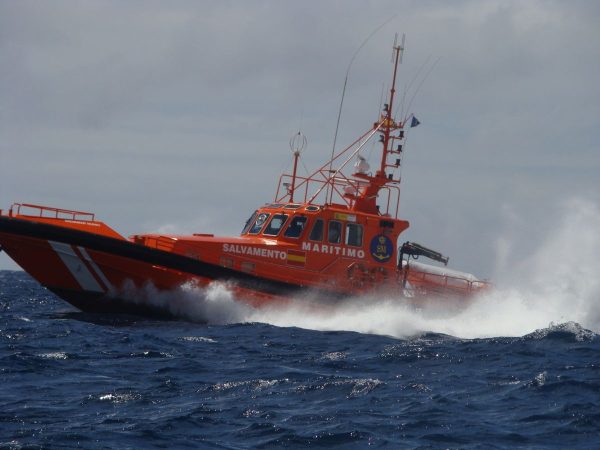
(560, 282)
(214, 304)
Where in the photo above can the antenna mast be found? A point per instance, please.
(337, 126)
(389, 125)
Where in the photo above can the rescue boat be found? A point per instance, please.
(333, 233)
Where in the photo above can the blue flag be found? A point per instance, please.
(414, 122)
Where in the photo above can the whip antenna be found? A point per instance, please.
(337, 125)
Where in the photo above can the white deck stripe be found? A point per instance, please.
(95, 267)
(76, 266)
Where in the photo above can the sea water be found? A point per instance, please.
(308, 377)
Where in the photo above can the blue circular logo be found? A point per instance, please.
(381, 248)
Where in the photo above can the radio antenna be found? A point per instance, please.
(337, 125)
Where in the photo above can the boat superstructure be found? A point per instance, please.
(334, 232)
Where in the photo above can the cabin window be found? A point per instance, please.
(316, 234)
(354, 234)
(296, 227)
(334, 232)
(260, 221)
(249, 222)
(275, 225)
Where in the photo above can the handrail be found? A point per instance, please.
(330, 183)
(390, 193)
(53, 212)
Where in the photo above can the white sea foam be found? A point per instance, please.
(214, 304)
(53, 355)
(557, 283)
(256, 385)
(334, 356)
(198, 339)
(117, 398)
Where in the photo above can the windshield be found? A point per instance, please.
(275, 225)
(260, 221)
(295, 227)
(249, 222)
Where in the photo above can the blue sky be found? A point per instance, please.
(176, 116)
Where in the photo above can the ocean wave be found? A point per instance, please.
(53, 355)
(567, 332)
(198, 339)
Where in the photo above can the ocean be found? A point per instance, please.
(509, 371)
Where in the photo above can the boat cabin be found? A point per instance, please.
(329, 242)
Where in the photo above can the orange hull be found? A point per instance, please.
(94, 268)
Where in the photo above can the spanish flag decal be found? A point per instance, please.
(296, 258)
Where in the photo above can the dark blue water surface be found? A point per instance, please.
(70, 379)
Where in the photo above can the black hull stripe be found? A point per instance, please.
(98, 303)
(127, 249)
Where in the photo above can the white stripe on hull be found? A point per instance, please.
(76, 266)
(95, 267)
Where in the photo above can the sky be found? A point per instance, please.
(176, 116)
